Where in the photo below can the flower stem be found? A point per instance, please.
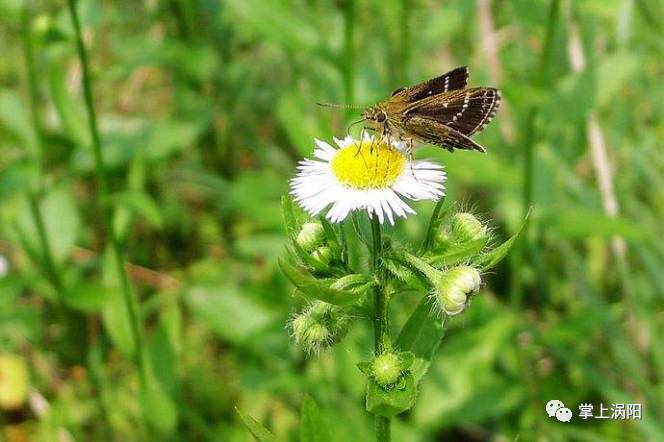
(382, 340)
(102, 182)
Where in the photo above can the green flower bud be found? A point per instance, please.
(455, 287)
(311, 236)
(319, 326)
(323, 255)
(386, 369)
(465, 227)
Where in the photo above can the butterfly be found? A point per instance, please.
(441, 111)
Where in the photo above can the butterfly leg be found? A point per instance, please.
(359, 145)
(411, 158)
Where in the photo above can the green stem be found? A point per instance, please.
(529, 141)
(102, 182)
(382, 342)
(48, 262)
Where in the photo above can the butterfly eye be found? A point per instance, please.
(380, 117)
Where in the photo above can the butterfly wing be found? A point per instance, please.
(467, 111)
(439, 134)
(454, 79)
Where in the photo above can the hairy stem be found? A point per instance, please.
(382, 340)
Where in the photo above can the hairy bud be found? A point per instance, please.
(319, 326)
(311, 236)
(466, 227)
(386, 369)
(455, 287)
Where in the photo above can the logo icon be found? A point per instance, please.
(557, 408)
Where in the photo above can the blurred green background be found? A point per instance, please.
(204, 107)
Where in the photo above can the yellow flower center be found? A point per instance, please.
(368, 165)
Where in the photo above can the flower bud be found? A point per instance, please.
(318, 326)
(311, 236)
(465, 227)
(322, 255)
(386, 369)
(455, 287)
(13, 381)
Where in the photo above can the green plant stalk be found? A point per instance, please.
(102, 180)
(529, 141)
(48, 262)
(382, 342)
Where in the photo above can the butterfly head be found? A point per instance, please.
(376, 114)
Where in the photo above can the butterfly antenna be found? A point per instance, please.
(340, 106)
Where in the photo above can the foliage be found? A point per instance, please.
(204, 107)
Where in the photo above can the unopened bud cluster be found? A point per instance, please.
(453, 289)
(388, 369)
(311, 235)
(311, 239)
(319, 326)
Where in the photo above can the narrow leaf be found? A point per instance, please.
(289, 215)
(459, 253)
(434, 223)
(492, 258)
(313, 288)
(421, 335)
(313, 427)
(260, 433)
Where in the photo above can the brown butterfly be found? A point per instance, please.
(441, 111)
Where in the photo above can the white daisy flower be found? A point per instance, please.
(369, 175)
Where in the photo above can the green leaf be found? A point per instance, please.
(88, 297)
(331, 235)
(434, 223)
(289, 215)
(366, 367)
(229, 312)
(313, 427)
(458, 253)
(488, 260)
(167, 137)
(313, 288)
(613, 72)
(61, 223)
(260, 433)
(114, 312)
(164, 344)
(158, 407)
(15, 119)
(391, 402)
(406, 359)
(421, 335)
(582, 223)
(140, 204)
(355, 283)
(70, 111)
